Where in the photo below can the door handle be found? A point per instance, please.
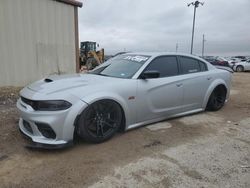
(179, 84)
(209, 78)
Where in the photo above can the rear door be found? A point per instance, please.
(160, 97)
(196, 80)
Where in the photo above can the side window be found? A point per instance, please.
(189, 65)
(203, 66)
(167, 66)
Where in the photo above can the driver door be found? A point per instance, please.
(163, 96)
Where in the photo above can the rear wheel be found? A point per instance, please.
(239, 68)
(217, 99)
(100, 121)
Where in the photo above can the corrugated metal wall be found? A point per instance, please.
(37, 38)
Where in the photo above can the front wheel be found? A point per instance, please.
(100, 121)
(217, 99)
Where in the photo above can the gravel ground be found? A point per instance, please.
(209, 149)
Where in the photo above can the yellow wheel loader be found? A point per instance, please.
(89, 56)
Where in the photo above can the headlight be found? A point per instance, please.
(50, 105)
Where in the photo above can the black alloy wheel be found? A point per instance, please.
(100, 121)
(217, 99)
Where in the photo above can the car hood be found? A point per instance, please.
(64, 83)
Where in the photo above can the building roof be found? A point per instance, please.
(71, 2)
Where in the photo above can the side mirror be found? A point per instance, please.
(150, 74)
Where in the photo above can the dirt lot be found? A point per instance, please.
(202, 150)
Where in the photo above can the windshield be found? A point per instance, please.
(122, 66)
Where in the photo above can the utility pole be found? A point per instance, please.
(196, 5)
(176, 47)
(203, 44)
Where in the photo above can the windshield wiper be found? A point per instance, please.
(104, 75)
(98, 71)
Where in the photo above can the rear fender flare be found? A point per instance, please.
(211, 88)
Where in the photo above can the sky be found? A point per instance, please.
(158, 25)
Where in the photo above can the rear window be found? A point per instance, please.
(189, 65)
(203, 66)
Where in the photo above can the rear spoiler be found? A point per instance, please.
(225, 68)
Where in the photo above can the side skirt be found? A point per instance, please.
(163, 118)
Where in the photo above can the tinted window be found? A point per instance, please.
(167, 66)
(189, 65)
(203, 66)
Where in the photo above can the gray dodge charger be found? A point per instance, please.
(127, 91)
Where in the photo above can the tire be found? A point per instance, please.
(217, 99)
(239, 68)
(91, 63)
(100, 121)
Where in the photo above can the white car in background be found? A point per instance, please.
(242, 66)
(233, 61)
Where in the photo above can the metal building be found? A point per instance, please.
(37, 38)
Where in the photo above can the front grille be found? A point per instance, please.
(27, 126)
(29, 102)
(46, 130)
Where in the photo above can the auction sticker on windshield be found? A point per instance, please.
(136, 58)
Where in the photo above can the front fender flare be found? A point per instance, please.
(90, 99)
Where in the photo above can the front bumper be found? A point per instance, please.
(36, 145)
(60, 123)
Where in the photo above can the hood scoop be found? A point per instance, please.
(48, 80)
(66, 83)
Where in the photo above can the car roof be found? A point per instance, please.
(156, 54)
(161, 53)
